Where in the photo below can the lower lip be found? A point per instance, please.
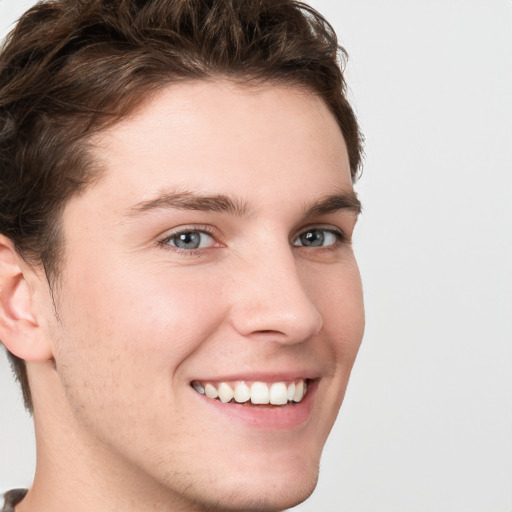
(268, 417)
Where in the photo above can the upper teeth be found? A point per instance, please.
(276, 393)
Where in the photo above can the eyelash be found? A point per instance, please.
(340, 237)
(182, 231)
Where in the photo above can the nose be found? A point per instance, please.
(271, 300)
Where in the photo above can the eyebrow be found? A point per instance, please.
(221, 203)
(343, 200)
(185, 200)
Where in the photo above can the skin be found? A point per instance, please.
(134, 319)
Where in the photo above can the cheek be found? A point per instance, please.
(348, 319)
(338, 296)
(120, 332)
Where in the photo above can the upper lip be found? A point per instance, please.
(255, 376)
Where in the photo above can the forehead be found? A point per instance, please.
(212, 135)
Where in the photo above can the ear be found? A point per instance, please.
(20, 330)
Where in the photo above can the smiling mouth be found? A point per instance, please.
(256, 393)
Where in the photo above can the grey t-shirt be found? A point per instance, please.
(11, 498)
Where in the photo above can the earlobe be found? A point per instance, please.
(20, 331)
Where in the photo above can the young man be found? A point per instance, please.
(179, 295)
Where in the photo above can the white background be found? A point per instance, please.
(427, 421)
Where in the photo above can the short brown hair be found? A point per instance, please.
(71, 67)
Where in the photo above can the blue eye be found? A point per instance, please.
(190, 240)
(316, 238)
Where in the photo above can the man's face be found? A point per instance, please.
(213, 255)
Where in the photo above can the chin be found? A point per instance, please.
(281, 483)
(252, 493)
